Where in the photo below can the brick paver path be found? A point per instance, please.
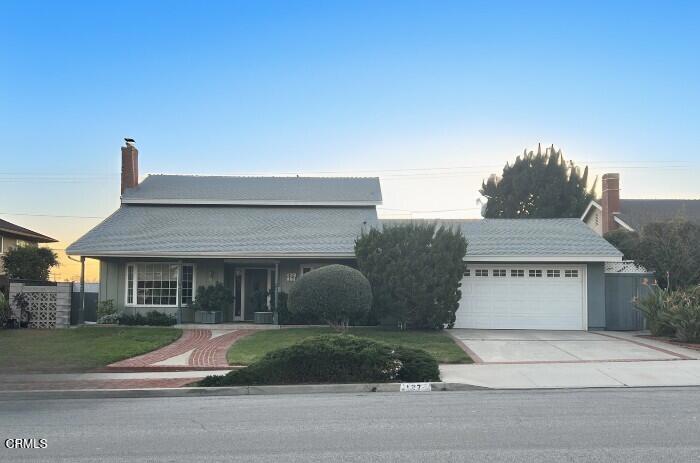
(195, 348)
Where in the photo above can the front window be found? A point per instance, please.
(152, 284)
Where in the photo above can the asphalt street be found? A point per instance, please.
(640, 425)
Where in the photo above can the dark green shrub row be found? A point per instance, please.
(340, 358)
(152, 318)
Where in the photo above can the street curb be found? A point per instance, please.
(223, 391)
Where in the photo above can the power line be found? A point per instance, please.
(57, 216)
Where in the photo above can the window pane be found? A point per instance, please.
(187, 283)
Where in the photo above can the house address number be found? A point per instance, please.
(416, 387)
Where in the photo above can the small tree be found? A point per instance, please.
(29, 262)
(415, 271)
(537, 185)
(672, 249)
(336, 293)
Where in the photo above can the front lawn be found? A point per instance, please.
(438, 344)
(77, 349)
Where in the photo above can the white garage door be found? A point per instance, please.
(534, 297)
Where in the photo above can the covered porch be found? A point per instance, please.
(170, 285)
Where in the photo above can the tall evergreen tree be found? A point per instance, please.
(537, 185)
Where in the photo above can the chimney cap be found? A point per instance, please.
(129, 141)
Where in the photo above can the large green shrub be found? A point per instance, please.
(337, 294)
(415, 270)
(683, 314)
(287, 317)
(653, 306)
(212, 298)
(673, 313)
(29, 262)
(671, 249)
(338, 358)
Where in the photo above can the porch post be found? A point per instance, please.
(81, 312)
(275, 317)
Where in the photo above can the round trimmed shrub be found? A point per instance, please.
(339, 358)
(334, 293)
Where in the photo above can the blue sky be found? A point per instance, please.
(450, 89)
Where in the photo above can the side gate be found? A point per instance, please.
(625, 281)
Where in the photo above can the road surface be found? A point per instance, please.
(640, 425)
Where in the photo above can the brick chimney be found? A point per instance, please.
(130, 165)
(610, 201)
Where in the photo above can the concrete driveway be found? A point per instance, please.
(525, 346)
(570, 359)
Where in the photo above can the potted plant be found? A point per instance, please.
(210, 303)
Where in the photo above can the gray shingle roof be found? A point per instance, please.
(541, 238)
(191, 189)
(226, 231)
(639, 212)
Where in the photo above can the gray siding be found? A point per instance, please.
(596, 295)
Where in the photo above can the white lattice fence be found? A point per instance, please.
(48, 306)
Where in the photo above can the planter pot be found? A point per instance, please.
(264, 318)
(187, 316)
(202, 316)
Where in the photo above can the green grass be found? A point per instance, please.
(438, 344)
(77, 349)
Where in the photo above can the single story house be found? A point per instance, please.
(257, 235)
(612, 213)
(11, 236)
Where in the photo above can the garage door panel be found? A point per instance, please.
(514, 302)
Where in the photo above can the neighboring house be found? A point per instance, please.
(612, 213)
(172, 234)
(11, 236)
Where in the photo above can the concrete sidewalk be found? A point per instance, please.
(575, 375)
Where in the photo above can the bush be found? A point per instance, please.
(105, 308)
(152, 318)
(339, 358)
(653, 306)
(335, 293)
(29, 262)
(4, 310)
(212, 298)
(683, 314)
(286, 317)
(672, 313)
(415, 271)
(108, 319)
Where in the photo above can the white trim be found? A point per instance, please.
(135, 304)
(194, 282)
(622, 223)
(543, 258)
(593, 203)
(194, 255)
(251, 202)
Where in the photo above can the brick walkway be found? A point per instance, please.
(194, 349)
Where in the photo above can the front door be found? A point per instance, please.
(256, 292)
